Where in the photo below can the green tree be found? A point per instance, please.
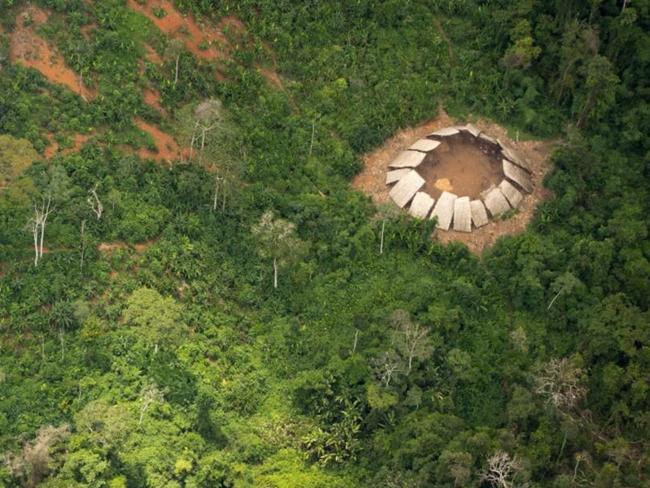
(157, 318)
(600, 89)
(277, 240)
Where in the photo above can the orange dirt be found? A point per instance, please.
(152, 55)
(167, 148)
(272, 77)
(185, 28)
(461, 165)
(29, 49)
(373, 178)
(152, 98)
(53, 148)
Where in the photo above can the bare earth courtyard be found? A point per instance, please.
(463, 168)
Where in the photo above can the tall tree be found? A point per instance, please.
(277, 241)
(54, 185)
(600, 89)
(156, 317)
(411, 339)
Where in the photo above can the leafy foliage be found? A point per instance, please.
(150, 334)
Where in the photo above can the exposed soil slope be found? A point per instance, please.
(29, 49)
(167, 149)
(204, 41)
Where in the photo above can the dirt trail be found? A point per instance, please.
(205, 42)
(152, 55)
(167, 148)
(152, 98)
(372, 180)
(29, 49)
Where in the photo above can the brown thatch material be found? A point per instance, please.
(479, 214)
(462, 215)
(424, 145)
(511, 155)
(444, 210)
(396, 175)
(408, 159)
(487, 138)
(513, 195)
(447, 131)
(496, 202)
(406, 188)
(421, 205)
(517, 175)
(472, 129)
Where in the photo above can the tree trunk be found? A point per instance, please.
(40, 252)
(178, 58)
(582, 120)
(275, 273)
(381, 242)
(555, 298)
(216, 196)
(62, 340)
(311, 145)
(83, 244)
(35, 232)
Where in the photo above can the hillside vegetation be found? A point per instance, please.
(193, 295)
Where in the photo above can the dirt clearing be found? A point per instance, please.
(372, 179)
(28, 49)
(461, 165)
(167, 149)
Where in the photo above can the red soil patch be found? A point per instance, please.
(272, 77)
(29, 49)
(152, 55)
(53, 148)
(168, 149)
(152, 98)
(204, 42)
(231, 25)
(372, 180)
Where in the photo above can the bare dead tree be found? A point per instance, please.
(149, 395)
(94, 202)
(83, 244)
(174, 51)
(560, 381)
(217, 182)
(33, 462)
(356, 340)
(410, 339)
(501, 470)
(36, 225)
(387, 365)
